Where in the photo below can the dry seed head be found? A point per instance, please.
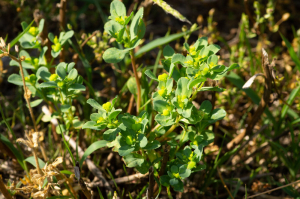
(22, 58)
(285, 16)
(17, 48)
(2, 43)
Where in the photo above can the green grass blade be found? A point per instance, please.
(160, 41)
(15, 40)
(290, 100)
(238, 82)
(291, 51)
(93, 147)
(15, 151)
(31, 160)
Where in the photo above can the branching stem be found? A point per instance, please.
(138, 85)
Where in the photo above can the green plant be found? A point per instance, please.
(132, 136)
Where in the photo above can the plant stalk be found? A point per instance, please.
(138, 85)
(170, 129)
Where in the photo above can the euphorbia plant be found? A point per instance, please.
(132, 136)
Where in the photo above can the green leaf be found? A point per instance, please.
(131, 84)
(111, 134)
(216, 115)
(117, 7)
(160, 105)
(72, 74)
(168, 52)
(35, 103)
(178, 59)
(41, 25)
(194, 82)
(291, 51)
(55, 54)
(133, 160)
(135, 26)
(182, 88)
(65, 107)
(42, 59)
(15, 79)
(213, 48)
(31, 160)
(152, 145)
(66, 36)
(184, 172)
(233, 66)
(206, 107)
(165, 180)
(93, 147)
(114, 55)
(164, 120)
(13, 149)
(114, 114)
(112, 27)
(217, 89)
(142, 140)
(43, 73)
(91, 125)
(125, 150)
(61, 71)
(150, 74)
(95, 104)
(48, 85)
(15, 40)
(76, 86)
(60, 129)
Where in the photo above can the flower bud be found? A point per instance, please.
(100, 120)
(191, 165)
(129, 140)
(53, 77)
(163, 77)
(60, 84)
(107, 106)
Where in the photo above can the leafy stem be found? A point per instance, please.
(196, 91)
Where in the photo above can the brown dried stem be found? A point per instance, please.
(84, 189)
(138, 85)
(225, 186)
(4, 190)
(62, 22)
(269, 191)
(150, 192)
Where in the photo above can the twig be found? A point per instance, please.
(84, 189)
(130, 104)
(269, 191)
(119, 180)
(225, 186)
(138, 85)
(150, 191)
(87, 39)
(4, 190)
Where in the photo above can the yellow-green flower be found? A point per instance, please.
(53, 77)
(107, 106)
(100, 120)
(163, 91)
(33, 31)
(163, 77)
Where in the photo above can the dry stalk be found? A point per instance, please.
(269, 191)
(225, 186)
(138, 85)
(150, 191)
(62, 22)
(4, 190)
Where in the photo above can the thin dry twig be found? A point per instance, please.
(90, 37)
(225, 186)
(269, 191)
(119, 180)
(150, 191)
(4, 190)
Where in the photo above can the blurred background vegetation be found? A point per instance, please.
(268, 155)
